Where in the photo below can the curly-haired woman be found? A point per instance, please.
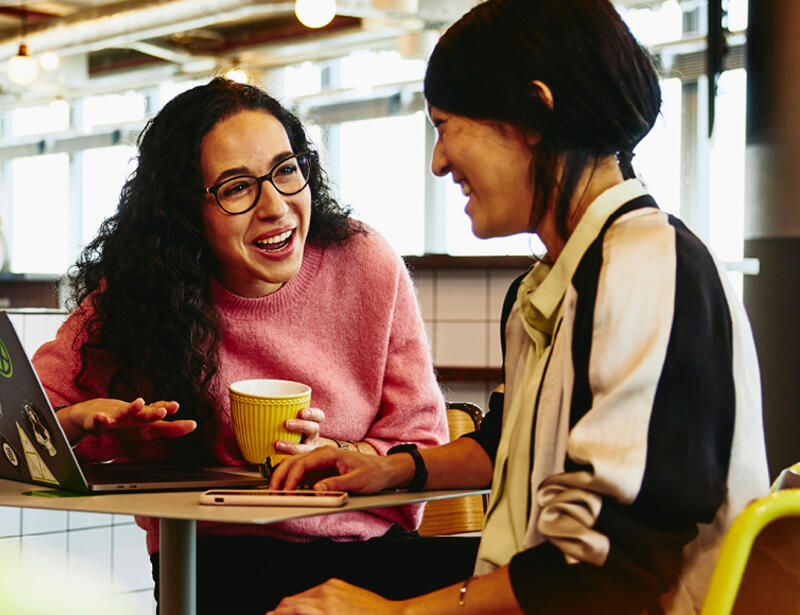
(228, 259)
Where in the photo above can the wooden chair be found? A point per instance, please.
(456, 515)
(758, 567)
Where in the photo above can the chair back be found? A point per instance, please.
(456, 515)
(758, 567)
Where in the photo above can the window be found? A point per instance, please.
(40, 119)
(658, 156)
(367, 112)
(105, 170)
(301, 80)
(40, 224)
(113, 109)
(381, 175)
(365, 69)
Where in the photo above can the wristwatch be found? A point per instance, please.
(420, 471)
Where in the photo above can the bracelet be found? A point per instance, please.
(462, 593)
(346, 445)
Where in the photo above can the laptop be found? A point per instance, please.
(34, 449)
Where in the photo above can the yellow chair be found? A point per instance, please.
(758, 567)
(456, 515)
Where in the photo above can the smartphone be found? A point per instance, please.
(273, 497)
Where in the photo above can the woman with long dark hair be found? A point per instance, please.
(228, 259)
(627, 433)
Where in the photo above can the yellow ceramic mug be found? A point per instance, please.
(259, 409)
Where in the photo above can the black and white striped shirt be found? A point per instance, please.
(646, 435)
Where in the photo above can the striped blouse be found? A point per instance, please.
(638, 437)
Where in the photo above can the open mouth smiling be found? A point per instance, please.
(276, 242)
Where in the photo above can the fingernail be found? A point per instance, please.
(290, 424)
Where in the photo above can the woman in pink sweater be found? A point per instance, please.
(228, 259)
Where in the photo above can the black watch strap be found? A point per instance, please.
(420, 471)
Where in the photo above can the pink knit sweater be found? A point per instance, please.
(349, 326)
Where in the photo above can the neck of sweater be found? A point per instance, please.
(237, 307)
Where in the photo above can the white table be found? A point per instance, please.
(178, 512)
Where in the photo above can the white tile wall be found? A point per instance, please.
(36, 521)
(51, 547)
(461, 310)
(82, 520)
(91, 549)
(461, 344)
(461, 296)
(130, 564)
(9, 521)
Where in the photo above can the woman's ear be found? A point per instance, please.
(541, 90)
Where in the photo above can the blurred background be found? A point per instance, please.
(79, 79)
(100, 68)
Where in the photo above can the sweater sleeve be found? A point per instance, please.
(57, 363)
(651, 424)
(412, 405)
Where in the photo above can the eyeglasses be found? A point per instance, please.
(240, 194)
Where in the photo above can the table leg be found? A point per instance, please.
(177, 567)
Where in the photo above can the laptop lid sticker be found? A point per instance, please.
(36, 466)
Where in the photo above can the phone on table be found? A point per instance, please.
(273, 497)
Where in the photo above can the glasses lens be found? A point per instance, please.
(238, 194)
(291, 175)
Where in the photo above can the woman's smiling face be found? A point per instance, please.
(491, 162)
(262, 249)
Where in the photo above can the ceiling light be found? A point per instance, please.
(315, 13)
(238, 75)
(58, 105)
(21, 68)
(49, 60)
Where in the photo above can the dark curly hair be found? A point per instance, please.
(604, 85)
(147, 273)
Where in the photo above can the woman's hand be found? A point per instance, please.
(335, 597)
(307, 424)
(134, 420)
(334, 469)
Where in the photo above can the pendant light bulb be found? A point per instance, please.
(49, 60)
(315, 13)
(22, 69)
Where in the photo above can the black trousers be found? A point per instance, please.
(245, 575)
